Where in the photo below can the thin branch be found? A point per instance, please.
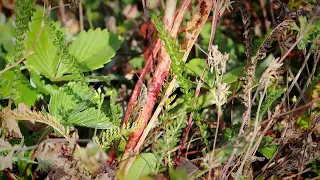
(17, 63)
(153, 90)
(62, 12)
(29, 52)
(81, 15)
(310, 78)
(216, 15)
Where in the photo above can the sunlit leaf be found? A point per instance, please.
(143, 165)
(268, 151)
(94, 48)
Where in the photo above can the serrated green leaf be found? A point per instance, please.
(143, 165)
(94, 48)
(16, 86)
(70, 99)
(76, 104)
(91, 117)
(45, 59)
(271, 97)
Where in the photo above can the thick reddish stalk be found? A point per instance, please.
(137, 88)
(154, 88)
(135, 94)
(152, 95)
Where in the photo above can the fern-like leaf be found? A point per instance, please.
(109, 135)
(271, 97)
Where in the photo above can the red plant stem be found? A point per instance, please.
(215, 18)
(152, 95)
(137, 88)
(154, 88)
(178, 20)
(8, 175)
(135, 94)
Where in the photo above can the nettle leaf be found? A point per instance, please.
(76, 104)
(14, 85)
(143, 165)
(94, 48)
(45, 59)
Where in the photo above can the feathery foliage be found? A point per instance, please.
(273, 95)
(66, 58)
(23, 13)
(177, 66)
(109, 135)
(170, 138)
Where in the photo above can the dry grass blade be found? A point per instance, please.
(38, 117)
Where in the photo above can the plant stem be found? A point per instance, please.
(216, 15)
(153, 91)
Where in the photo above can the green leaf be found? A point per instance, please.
(7, 30)
(268, 151)
(178, 174)
(232, 76)
(45, 59)
(14, 85)
(195, 67)
(41, 85)
(91, 117)
(76, 104)
(137, 62)
(72, 98)
(271, 97)
(143, 165)
(303, 121)
(94, 48)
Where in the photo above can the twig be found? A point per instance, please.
(292, 176)
(298, 74)
(159, 75)
(310, 78)
(182, 10)
(30, 52)
(255, 131)
(264, 12)
(215, 18)
(81, 15)
(62, 13)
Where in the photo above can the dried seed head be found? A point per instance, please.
(217, 60)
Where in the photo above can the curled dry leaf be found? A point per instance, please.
(12, 128)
